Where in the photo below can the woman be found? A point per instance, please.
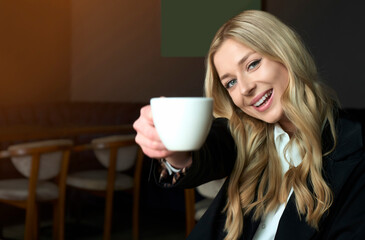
(294, 166)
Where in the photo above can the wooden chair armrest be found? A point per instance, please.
(4, 154)
(82, 147)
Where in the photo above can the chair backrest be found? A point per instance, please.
(126, 150)
(50, 152)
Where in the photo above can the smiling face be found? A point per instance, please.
(254, 82)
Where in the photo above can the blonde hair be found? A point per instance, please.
(256, 183)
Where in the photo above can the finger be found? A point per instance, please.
(155, 154)
(146, 112)
(147, 136)
(147, 129)
(147, 142)
(153, 149)
(145, 118)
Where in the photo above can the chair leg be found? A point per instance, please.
(108, 217)
(31, 223)
(36, 223)
(109, 195)
(189, 210)
(136, 194)
(59, 219)
(61, 222)
(31, 217)
(56, 221)
(59, 212)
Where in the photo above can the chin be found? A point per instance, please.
(275, 118)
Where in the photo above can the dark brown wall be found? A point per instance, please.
(116, 49)
(34, 51)
(116, 54)
(94, 50)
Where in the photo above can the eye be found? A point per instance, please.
(253, 64)
(231, 83)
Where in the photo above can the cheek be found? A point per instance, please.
(282, 77)
(236, 99)
(283, 86)
(286, 82)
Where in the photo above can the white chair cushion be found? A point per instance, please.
(201, 207)
(97, 180)
(126, 156)
(50, 163)
(210, 189)
(17, 189)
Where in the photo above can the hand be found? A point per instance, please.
(151, 144)
(147, 136)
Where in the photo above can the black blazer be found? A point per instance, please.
(344, 171)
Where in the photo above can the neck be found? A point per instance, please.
(287, 126)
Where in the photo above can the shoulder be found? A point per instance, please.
(349, 134)
(344, 162)
(348, 209)
(355, 115)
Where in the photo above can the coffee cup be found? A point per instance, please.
(182, 123)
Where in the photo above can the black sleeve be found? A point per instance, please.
(214, 160)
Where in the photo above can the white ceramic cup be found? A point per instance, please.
(182, 123)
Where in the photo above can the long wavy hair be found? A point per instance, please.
(256, 184)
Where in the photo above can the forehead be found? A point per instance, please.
(230, 52)
(230, 46)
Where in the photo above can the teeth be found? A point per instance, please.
(263, 99)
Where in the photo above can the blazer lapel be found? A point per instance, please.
(250, 227)
(336, 171)
(293, 226)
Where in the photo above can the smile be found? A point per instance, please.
(263, 99)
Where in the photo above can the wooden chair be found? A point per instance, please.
(189, 210)
(195, 210)
(117, 154)
(41, 163)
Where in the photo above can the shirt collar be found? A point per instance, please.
(280, 135)
(292, 155)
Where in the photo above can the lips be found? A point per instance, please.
(262, 102)
(266, 96)
(259, 100)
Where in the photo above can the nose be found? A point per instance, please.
(247, 86)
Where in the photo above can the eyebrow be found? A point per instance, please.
(241, 61)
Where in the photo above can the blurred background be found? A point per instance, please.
(92, 51)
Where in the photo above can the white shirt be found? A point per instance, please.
(269, 224)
